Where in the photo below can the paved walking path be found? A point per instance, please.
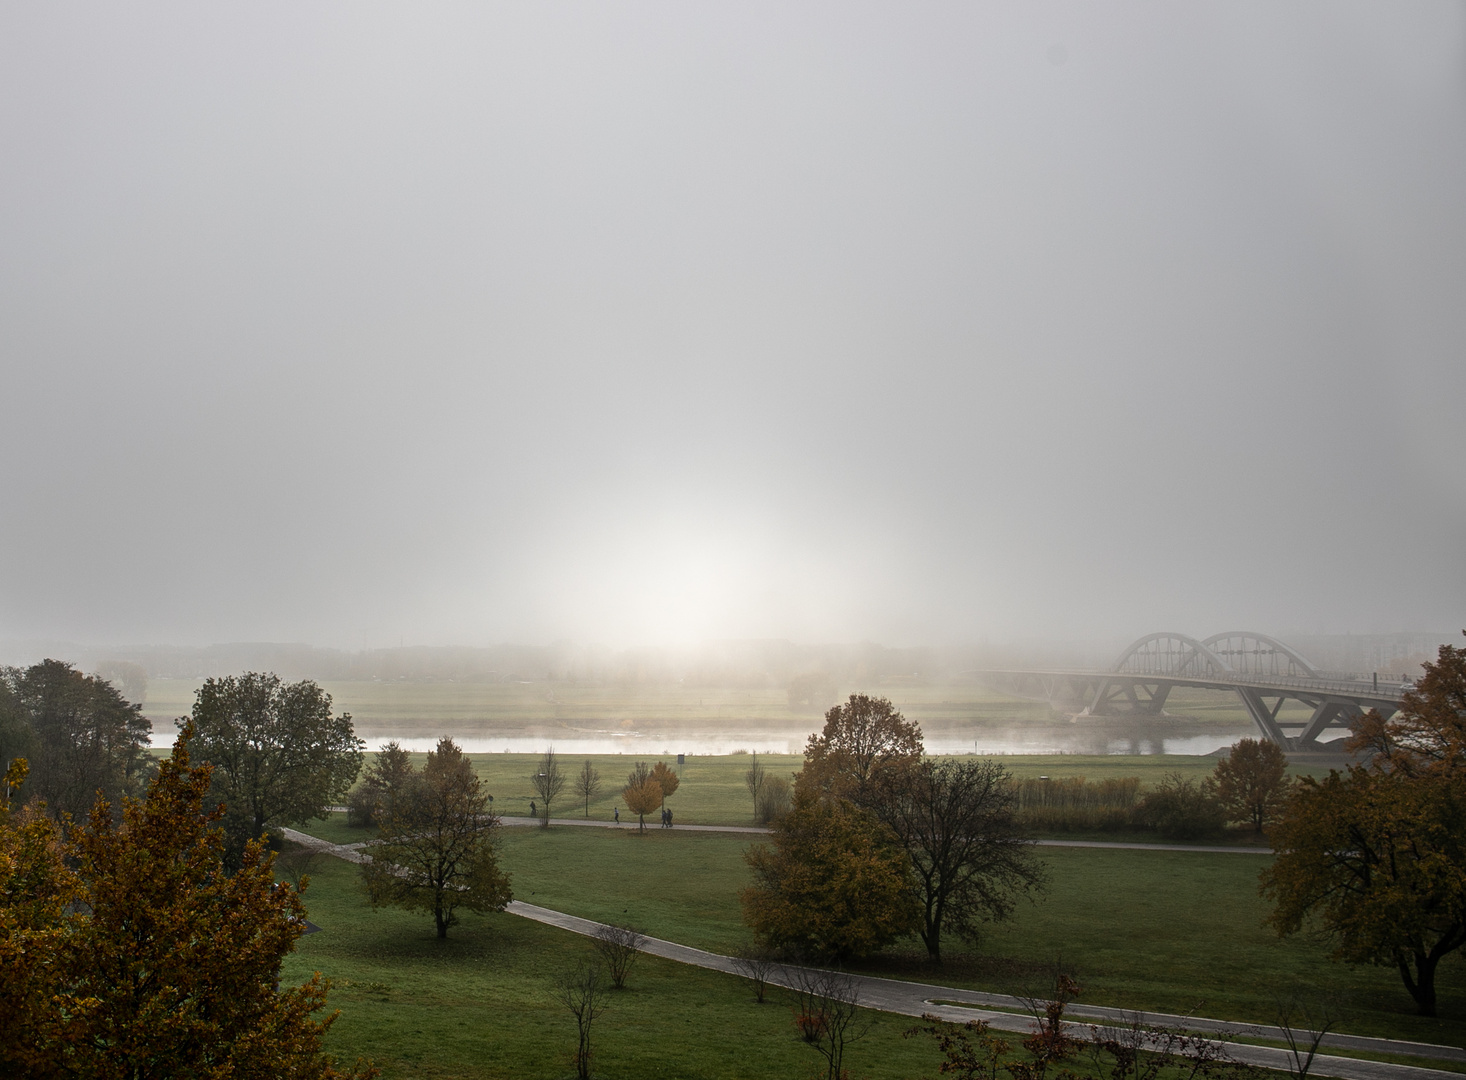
(1002, 1011)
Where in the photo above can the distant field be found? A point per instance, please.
(671, 718)
(712, 790)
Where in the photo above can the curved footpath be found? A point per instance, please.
(999, 1010)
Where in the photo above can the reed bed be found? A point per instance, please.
(1072, 803)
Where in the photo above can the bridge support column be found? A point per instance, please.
(1264, 717)
(1331, 711)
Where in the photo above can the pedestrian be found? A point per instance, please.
(669, 817)
(618, 815)
(532, 809)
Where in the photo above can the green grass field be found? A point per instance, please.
(1168, 931)
(480, 1004)
(712, 790)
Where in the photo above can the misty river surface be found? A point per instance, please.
(708, 745)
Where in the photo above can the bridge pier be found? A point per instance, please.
(1265, 717)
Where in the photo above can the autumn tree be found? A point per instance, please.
(161, 963)
(279, 755)
(36, 889)
(1374, 859)
(642, 793)
(437, 849)
(833, 884)
(83, 737)
(587, 783)
(1251, 782)
(548, 781)
(666, 778)
(970, 860)
(861, 739)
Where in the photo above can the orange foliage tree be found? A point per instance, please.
(666, 778)
(642, 793)
(162, 964)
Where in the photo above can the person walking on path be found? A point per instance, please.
(618, 815)
(531, 809)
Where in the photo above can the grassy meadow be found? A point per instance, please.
(480, 1005)
(712, 790)
(1169, 931)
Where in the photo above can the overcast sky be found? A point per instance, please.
(657, 323)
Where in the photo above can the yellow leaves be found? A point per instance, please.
(666, 779)
(642, 798)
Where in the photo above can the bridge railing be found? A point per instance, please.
(1351, 687)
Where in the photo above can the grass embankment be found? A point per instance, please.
(480, 1005)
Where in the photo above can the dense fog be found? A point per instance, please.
(651, 325)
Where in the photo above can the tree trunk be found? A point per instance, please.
(931, 934)
(1422, 987)
(438, 918)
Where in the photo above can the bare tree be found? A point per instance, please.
(753, 779)
(827, 1015)
(583, 991)
(549, 781)
(618, 946)
(296, 861)
(755, 964)
(957, 820)
(587, 783)
(1304, 1027)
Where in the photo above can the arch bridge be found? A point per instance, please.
(1263, 672)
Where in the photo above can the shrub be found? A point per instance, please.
(1180, 809)
(773, 799)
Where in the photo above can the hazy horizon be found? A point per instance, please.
(650, 326)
